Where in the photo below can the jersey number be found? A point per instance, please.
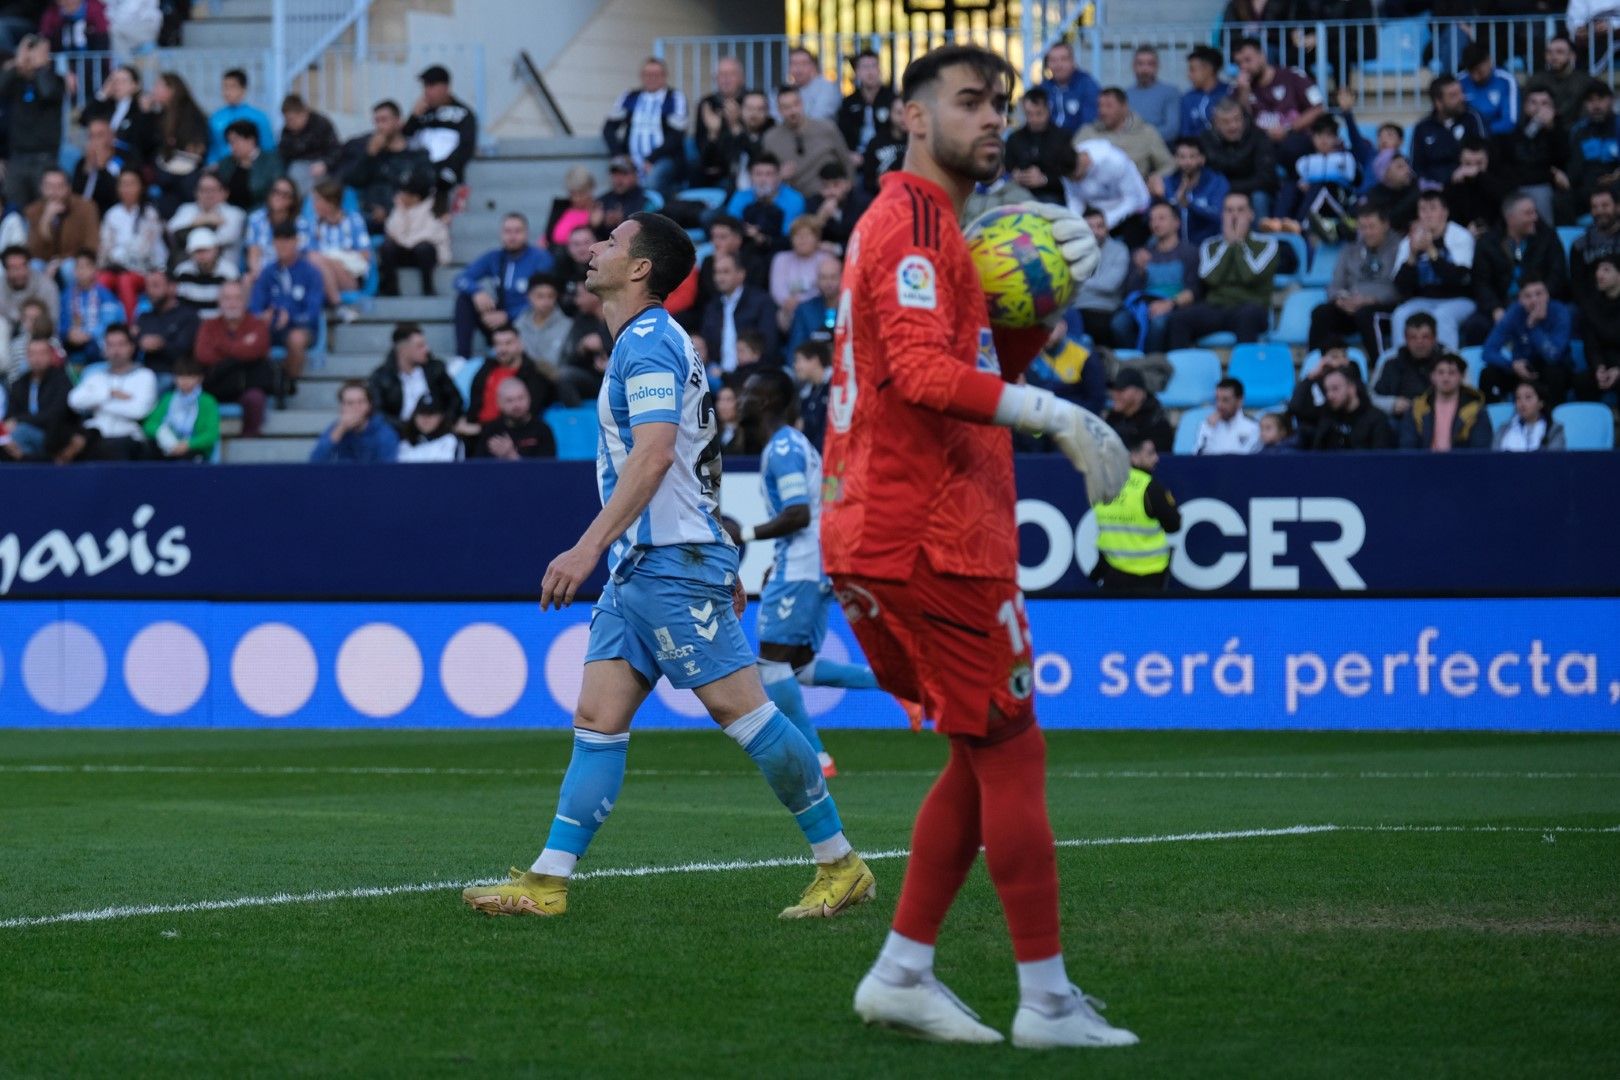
(841, 395)
(1012, 617)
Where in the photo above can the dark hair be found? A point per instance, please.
(818, 349)
(1244, 195)
(1093, 211)
(1433, 195)
(1229, 383)
(54, 169)
(1438, 86)
(780, 390)
(546, 280)
(1187, 140)
(1399, 131)
(505, 328)
(1421, 319)
(1205, 54)
(1609, 191)
(1565, 38)
(805, 51)
(354, 384)
(1474, 144)
(511, 214)
(1531, 278)
(669, 249)
(832, 170)
(787, 88)
(1116, 93)
(1597, 89)
(1248, 43)
(764, 158)
(855, 60)
(755, 93)
(186, 364)
(1038, 96)
(404, 330)
(1324, 123)
(1443, 357)
(728, 222)
(132, 71)
(1371, 209)
(119, 328)
(1474, 55)
(388, 105)
(84, 253)
(754, 340)
(330, 189)
(1283, 420)
(1140, 49)
(428, 406)
(284, 230)
(294, 103)
(238, 75)
(923, 72)
(243, 129)
(14, 249)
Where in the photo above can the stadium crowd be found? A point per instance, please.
(190, 261)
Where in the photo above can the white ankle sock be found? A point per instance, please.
(904, 962)
(1040, 977)
(555, 863)
(830, 850)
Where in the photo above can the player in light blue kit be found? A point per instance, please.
(793, 604)
(672, 601)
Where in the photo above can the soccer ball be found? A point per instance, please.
(1024, 276)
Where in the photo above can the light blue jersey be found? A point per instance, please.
(790, 474)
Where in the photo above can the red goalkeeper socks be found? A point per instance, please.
(944, 843)
(1017, 836)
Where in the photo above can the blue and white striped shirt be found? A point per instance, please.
(348, 234)
(790, 474)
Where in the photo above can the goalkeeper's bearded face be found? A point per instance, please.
(962, 118)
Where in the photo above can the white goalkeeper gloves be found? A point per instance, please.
(1091, 445)
(1074, 239)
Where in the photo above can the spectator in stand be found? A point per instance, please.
(726, 234)
(571, 265)
(76, 26)
(31, 103)
(1204, 66)
(249, 170)
(625, 196)
(38, 423)
(414, 236)
(1448, 415)
(1237, 272)
(1475, 193)
(1600, 328)
(506, 364)
(184, 426)
(1137, 414)
(430, 436)
(867, 110)
(1308, 403)
(133, 25)
(1071, 93)
(340, 246)
(737, 307)
(167, 329)
(234, 350)
(1162, 279)
(647, 126)
(1039, 154)
(812, 370)
(719, 114)
(837, 207)
(131, 243)
(1348, 421)
(516, 433)
(793, 272)
(118, 102)
(1277, 434)
(1103, 294)
(182, 141)
(282, 206)
(114, 400)
(1363, 283)
(767, 208)
(803, 144)
(1594, 157)
(95, 177)
(1117, 125)
(1532, 428)
(883, 155)
(573, 209)
(1537, 152)
(287, 295)
(586, 352)
(1105, 178)
(494, 288)
(1239, 151)
(88, 310)
(409, 376)
(1493, 94)
(1157, 103)
(379, 164)
(1284, 102)
(747, 144)
(1600, 240)
(1504, 257)
(1437, 139)
(815, 315)
(356, 436)
(1228, 429)
(21, 282)
(819, 94)
(233, 86)
(1397, 194)
(1322, 196)
(309, 142)
(35, 321)
(1391, 137)
(1529, 344)
(210, 211)
(198, 279)
(544, 330)
(60, 223)
(445, 128)
(1194, 191)
(1404, 374)
(1563, 77)
(993, 195)
(1434, 271)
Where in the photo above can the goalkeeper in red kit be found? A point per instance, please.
(919, 536)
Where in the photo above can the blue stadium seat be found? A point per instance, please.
(576, 431)
(1474, 356)
(1266, 371)
(1321, 268)
(1128, 354)
(1187, 429)
(1588, 425)
(1302, 255)
(704, 250)
(655, 201)
(1400, 47)
(708, 196)
(1220, 339)
(1500, 412)
(1567, 235)
(1294, 326)
(1314, 357)
(1194, 373)
(463, 378)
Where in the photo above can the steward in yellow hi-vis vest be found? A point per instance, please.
(1132, 531)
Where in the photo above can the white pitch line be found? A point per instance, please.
(276, 899)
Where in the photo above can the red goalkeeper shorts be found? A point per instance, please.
(957, 645)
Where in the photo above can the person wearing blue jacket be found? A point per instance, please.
(1530, 343)
(288, 295)
(1196, 192)
(357, 435)
(88, 309)
(1071, 93)
(233, 88)
(1204, 74)
(494, 288)
(1492, 93)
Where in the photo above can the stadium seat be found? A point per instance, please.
(1314, 357)
(1294, 326)
(1567, 235)
(1474, 356)
(1187, 429)
(1302, 255)
(576, 431)
(1320, 271)
(710, 197)
(1400, 47)
(1500, 412)
(1577, 353)
(1266, 371)
(1220, 339)
(704, 250)
(655, 201)
(1128, 354)
(1194, 373)
(1588, 425)
(463, 378)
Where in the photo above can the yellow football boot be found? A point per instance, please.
(526, 894)
(837, 887)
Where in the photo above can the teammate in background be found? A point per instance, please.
(919, 535)
(672, 601)
(793, 604)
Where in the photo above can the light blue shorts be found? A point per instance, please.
(682, 629)
(794, 612)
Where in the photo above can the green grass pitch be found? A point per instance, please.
(1489, 946)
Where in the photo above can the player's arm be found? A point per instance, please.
(649, 459)
(787, 471)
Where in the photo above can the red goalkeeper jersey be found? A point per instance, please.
(911, 463)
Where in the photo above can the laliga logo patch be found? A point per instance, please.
(916, 284)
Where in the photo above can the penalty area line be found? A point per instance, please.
(106, 914)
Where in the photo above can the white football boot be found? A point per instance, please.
(1066, 1021)
(926, 1009)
